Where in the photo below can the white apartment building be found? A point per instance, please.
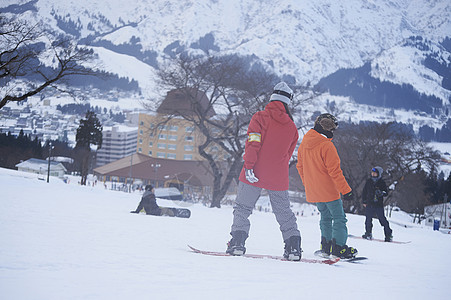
(118, 141)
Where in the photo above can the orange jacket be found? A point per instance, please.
(319, 168)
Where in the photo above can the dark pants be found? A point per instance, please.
(149, 209)
(379, 211)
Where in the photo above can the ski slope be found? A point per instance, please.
(65, 241)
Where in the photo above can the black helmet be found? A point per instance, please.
(327, 121)
(149, 187)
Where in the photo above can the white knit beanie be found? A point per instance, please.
(282, 92)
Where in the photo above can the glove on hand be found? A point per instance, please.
(348, 196)
(250, 176)
(380, 193)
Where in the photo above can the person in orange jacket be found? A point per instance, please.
(320, 171)
(271, 139)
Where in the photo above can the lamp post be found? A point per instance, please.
(50, 154)
(130, 175)
(155, 166)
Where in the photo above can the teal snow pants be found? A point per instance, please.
(333, 221)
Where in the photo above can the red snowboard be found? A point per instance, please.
(330, 261)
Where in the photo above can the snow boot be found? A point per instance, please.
(368, 236)
(236, 245)
(325, 247)
(343, 251)
(389, 238)
(292, 250)
(388, 234)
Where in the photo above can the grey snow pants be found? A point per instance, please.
(244, 204)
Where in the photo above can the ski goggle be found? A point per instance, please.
(374, 170)
(283, 93)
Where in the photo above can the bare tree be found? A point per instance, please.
(411, 196)
(364, 146)
(28, 53)
(235, 89)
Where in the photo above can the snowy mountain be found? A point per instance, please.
(65, 241)
(304, 40)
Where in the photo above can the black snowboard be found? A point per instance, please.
(171, 212)
(180, 212)
(351, 260)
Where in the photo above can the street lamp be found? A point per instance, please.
(50, 154)
(130, 175)
(155, 166)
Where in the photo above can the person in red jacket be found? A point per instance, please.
(320, 171)
(271, 139)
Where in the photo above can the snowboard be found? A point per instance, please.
(351, 260)
(180, 212)
(327, 261)
(377, 240)
(177, 212)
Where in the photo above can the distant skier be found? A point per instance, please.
(373, 195)
(320, 171)
(149, 203)
(271, 139)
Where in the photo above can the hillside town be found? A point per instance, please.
(129, 149)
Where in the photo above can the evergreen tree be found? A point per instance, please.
(432, 185)
(426, 133)
(16, 149)
(36, 147)
(88, 133)
(447, 189)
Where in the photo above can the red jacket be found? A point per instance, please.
(272, 137)
(319, 168)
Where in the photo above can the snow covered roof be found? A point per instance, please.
(37, 164)
(120, 128)
(197, 173)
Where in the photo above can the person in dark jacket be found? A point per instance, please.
(373, 195)
(149, 202)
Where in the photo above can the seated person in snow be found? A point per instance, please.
(149, 203)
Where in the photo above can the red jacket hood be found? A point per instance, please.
(277, 111)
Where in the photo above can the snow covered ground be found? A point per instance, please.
(64, 241)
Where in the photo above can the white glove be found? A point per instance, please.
(250, 176)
